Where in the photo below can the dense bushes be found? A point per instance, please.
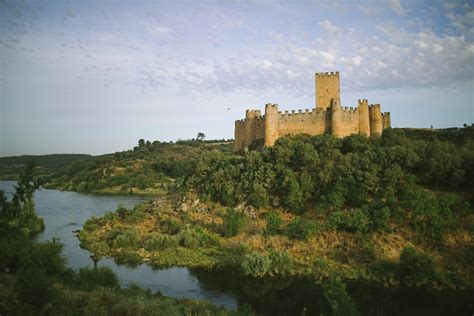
(255, 264)
(128, 238)
(361, 183)
(416, 268)
(158, 241)
(301, 229)
(351, 220)
(258, 265)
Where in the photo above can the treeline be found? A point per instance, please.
(359, 183)
(12, 167)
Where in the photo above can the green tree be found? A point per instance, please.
(200, 136)
(259, 196)
(18, 216)
(234, 222)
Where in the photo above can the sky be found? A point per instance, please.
(95, 76)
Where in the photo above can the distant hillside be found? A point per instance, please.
(149, 168)
(11, 167)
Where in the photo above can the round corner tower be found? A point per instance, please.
(271, 124)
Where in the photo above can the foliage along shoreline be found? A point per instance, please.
(194, 234)
(35, 278)
(356, 207)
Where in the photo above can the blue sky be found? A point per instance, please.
(95, 76)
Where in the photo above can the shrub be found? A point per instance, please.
(90, 224)
(255, 265)
(99, 248)
(274, 222)
(354, 221)
(110, 216)
(416, 268)
(127, 239)
(189, 239)
(281, 262)
(158, 241)
(112, 234)
(301, 229)
(172, 226)
(380, 219)
(198, 237)
(335, 220)
(259, 196)
(121, 211)
(102, 276)
(359, 221)
(234, 222)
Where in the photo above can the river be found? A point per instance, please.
(64, 212)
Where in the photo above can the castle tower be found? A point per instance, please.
(375, 117)
(386, 121)
(327, 88)
(364, 121)
(271, 124)
(336, 119)
(237, 136)
(250, 128)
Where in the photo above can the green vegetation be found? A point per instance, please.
(12, 167)
(35, 280)
(255, 264)
(18, 217)
(150, 168)
(316, 206)
(234, 222)
(416, 269)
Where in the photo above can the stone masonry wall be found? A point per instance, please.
(327, 117)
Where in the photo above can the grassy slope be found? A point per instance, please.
(132, 171)
(170, 232)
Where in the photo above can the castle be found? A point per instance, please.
(327, 117)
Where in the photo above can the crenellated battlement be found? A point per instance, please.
(326, 74)
(300, 112)
(350, 110)
(250, 113)
(327, 117)
(374, 107)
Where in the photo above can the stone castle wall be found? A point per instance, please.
(331, 118)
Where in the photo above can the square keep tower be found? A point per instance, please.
(327, 88)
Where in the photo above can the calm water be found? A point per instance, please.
(65, 212)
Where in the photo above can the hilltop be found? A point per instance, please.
(149, 168)
(395, 209)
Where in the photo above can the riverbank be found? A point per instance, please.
(184, 231)
(35, 277)
(152, 192)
